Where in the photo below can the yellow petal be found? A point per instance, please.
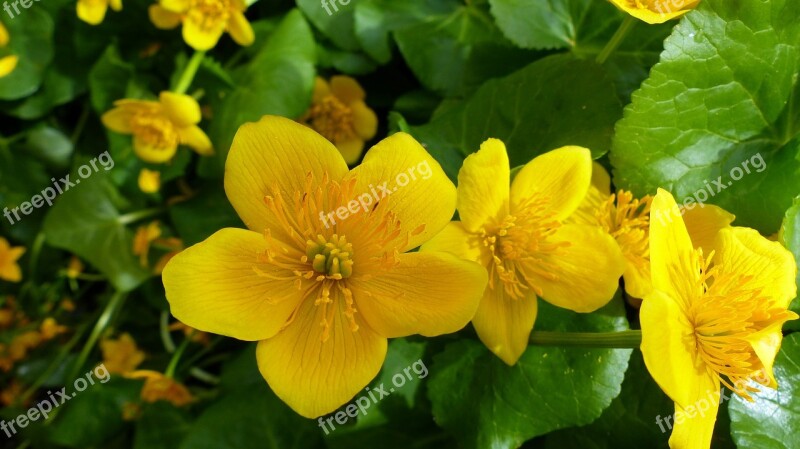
(92, 12)
(346, 89)
(598, 194)
(766, 344)
(442, 298)
(771, 266)
(214, 287)
(275, 151)
(200, 37)
(420, 195)
(703, 222)
(181, 109)
(637, 276)
(321, 89)
(661, 12)
(563, 176)
(315, 377)
(455, 240)
(151, 154)
(669, 349)
(118, 120)
(11, 272)
(483, 186)
(351, 149)
(3, 35)
(178, 6)
(694, 425)
(586, 272)
(504, 324)
(240, 30)
(8, 64)
(671, 251)
(196, 139)
(149, 181)
(116, 5)
(162, 18)
(365, 121)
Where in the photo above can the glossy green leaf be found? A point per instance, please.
(30, 39)
(192, 220)
(161, 426)
(790, 237)
(334, 18)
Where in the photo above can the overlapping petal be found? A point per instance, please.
(483, 186)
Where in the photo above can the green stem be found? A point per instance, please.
(166, 338)
(623, 339)
(140, 215)
(189, 72)
(81, 124)
(173, 363)
(36, 249)
(114, 304)
(616, 39)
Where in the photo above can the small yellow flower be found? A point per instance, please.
(656, 11)
(339, 113)
(520, 233)
(7, 63)
(204, 21)
(149, 180)
(625, 218)
(302, 277)
(94, 11)
(158, 387)
(74, 268)
(158, 127)
(22, 344)
(144, 237)
(11, 394)
(713, 317)
(121, 355)
(50, 329)
(9, 268)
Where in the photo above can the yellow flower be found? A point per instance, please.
(121, 355)
(190, 333)
(159, 126)
(11, 394)
(22, 343)
(656, 11)
(339, 113)
(204, 21)
(149, 181)
(9, 268)
(519, 233)
(50, 329)
(74, 268)
(319, 287)
(7, 63)
(145, 235)
(158, 387)
(713, 317)
(94, 11)
(627, 220)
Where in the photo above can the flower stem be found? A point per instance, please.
(622, 339)
(173, 363)
(114, 304)
(616, 39)
(140, 215)
(187, 76)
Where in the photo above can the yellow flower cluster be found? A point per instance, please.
(26, 338)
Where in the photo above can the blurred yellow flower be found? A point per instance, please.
(713, 317)
(656, 11)
(145, 235)
(23, 343)
(9, 268)
(94, 11)
(339, 113)
(11, 393)
(7, 63)
(158, 387)
(50, 329)
(204, 21)
(336, 289)
(190, 333)
(519, 232)
(74, 268)
(158, 127)
(121, 355)
(149, 180)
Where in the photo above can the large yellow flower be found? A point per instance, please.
(9, 268)
(204, 21)
(656, 11)
(714, 316)
(158, 127)
(322, 277)
(7, 63)
(518, 232)
(339, 113)
(94, 11)
(625, 218)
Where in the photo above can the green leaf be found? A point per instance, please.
(86, 221)
(192, 220)
(790, 237)
(528, 115)
(278, 81)
(30, 39)
(50, 145)
(334, 18)
(772, 420)
(547, 24)
(108, 79)
(161, 426)
(485, 403)
(722, 98)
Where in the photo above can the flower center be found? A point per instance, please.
(209, 14)
(155, 130)
(330, 257)
(725, 318)
(628, 220)
(520, 243)
(332, 119)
